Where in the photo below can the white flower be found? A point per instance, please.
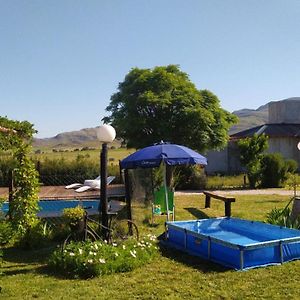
(105, 241)
(91, 253)
(114, 244)
(124, 247)
(90, 261)
(116, 254)
(132, 254)
(72, 254)
(95, 253)
(102, 260)
(80, 251)
(96, 246)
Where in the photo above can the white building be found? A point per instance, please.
(283, 130)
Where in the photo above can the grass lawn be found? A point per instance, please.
(173, 275)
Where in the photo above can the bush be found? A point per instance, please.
(282, 217)
(6, 232)
(63, 172)
(37, 237)
(90, 259)
(73, 215)
(1, 260)
(190, 177)
(7, 164)
(274, 170)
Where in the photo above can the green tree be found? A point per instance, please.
(163, 104)
(251, 153)
(15, 137)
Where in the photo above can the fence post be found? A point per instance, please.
(207, 201)
(228, 209)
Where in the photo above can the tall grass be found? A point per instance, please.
(226, 182)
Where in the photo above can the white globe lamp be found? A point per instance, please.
(106, 133)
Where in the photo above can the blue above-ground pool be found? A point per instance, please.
(235, 243)
(54, 208)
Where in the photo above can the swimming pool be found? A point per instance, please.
(54, 208)
(235, 243)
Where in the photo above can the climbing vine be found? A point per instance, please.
(15, 138)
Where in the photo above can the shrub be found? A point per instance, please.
(274, 170)
(282, 217)
(7, 164)
(63, 172)
(90, 259)
(6, 232)
(73, 215)
(1, 260)
(251, 153)
(37, 237)
(190, 177)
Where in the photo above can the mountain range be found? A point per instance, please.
(87, 137)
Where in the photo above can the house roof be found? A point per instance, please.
(270, 130)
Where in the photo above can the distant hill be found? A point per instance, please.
(87, 137)
(250, 118)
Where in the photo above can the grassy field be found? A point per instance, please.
(174, 275)
(114, 155)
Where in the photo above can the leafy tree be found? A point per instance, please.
(163, 104)
(251, 154)
(16, 137)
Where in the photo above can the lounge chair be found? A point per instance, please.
(77, 185)
(159, 203)
(89, 184)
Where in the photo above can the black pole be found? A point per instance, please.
(103, 191)
(127, 194)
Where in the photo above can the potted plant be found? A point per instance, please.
(74, 216)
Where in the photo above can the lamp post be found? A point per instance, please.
(106, 134)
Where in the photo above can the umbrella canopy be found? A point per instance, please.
(169, 154)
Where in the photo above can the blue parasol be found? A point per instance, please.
(165, 153)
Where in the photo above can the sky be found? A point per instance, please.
(61, 60)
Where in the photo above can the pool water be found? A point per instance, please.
(54, 208)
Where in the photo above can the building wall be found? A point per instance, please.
(217, 161)
(226, 161)
(286, 146)
(285, 111)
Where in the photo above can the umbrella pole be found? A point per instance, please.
(166, 189)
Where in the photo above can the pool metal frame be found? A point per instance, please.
(259, 245)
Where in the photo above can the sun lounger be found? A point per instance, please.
(93, 184)
(78, 185)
